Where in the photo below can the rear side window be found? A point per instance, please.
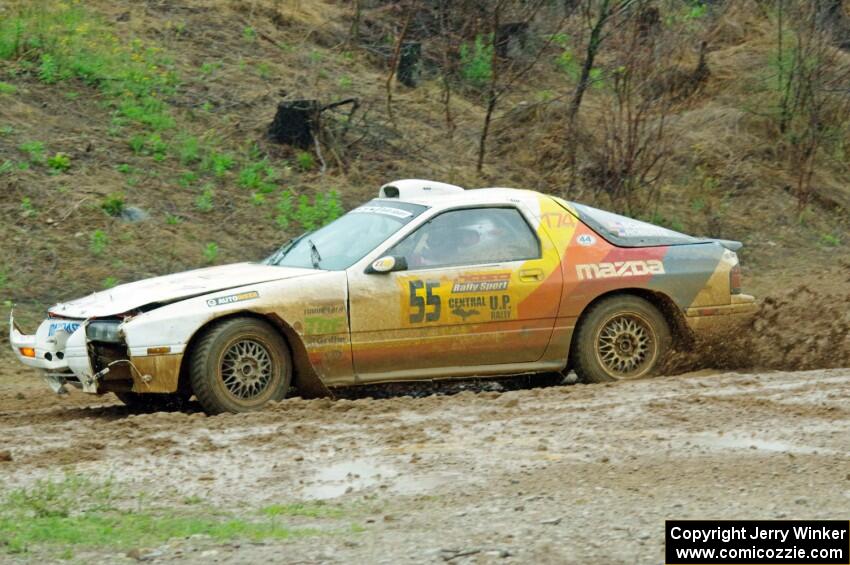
(628, 232)
(472, 236)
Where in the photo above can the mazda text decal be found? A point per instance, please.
(222, 300)
(619, 269)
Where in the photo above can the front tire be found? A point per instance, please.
(239, 365)
(621, 337)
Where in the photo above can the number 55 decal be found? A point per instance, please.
(420, 304)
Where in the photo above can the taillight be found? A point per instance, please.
(735, 279)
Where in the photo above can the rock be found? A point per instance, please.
(142, 554)
(552, 521)
(5, 455)
(132, 215)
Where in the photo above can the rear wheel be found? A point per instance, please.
(239, 365)
(621, 337)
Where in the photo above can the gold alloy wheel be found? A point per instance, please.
(246, 369)
(626, 345)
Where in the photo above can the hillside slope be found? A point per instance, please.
(133, 142)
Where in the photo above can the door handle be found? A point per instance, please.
(527, 275)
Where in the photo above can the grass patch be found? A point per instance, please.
(309, 510)
(6, 88)
(34, 151)
(259, 176)
(67, 41)
(78, 513)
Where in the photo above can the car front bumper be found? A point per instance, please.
(708, 320)
(59, 348)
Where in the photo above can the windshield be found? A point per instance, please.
(348, 239)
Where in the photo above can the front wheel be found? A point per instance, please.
(239, 365)
(621, 337)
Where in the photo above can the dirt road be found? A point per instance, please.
(578, 473)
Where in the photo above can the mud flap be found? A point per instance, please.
(309, 385)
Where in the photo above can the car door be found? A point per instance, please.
(481, 288)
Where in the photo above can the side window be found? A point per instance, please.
(469, 237)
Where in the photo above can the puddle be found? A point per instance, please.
(354, 475)
(339, 478)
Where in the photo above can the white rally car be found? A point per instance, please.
(426, 281)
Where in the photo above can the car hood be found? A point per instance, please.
(171, 288)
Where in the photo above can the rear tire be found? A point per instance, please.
(621, 337)
(239, 365)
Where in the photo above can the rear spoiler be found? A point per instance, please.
(729, 244)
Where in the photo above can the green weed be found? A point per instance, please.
(210, 252)
(258, 176)
(310, 510)
(305, 161)
(98, 242)
(264, 70)
(830, 240)
(6, 166)
(188, 149)
(187, 179)
(218, 163)
(59, 162)
(27, 207)
(6, 88)
(113, 204)
(34, 151)
(152, 145)
(310, 215)
(109, 282)
(476, 61)
(209, 68)
(48, 70)
(204, 201)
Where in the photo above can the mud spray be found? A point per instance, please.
(797, 329)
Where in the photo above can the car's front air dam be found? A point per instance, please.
(711, 319)
(156, 373)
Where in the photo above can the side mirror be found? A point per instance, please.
(387, 264)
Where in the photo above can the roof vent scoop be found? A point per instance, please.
(417, 189)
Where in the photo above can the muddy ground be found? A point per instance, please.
(558, 474)
(508, 471)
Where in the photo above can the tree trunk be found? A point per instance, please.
(296, 123)
(482, 142)
(408, 63)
